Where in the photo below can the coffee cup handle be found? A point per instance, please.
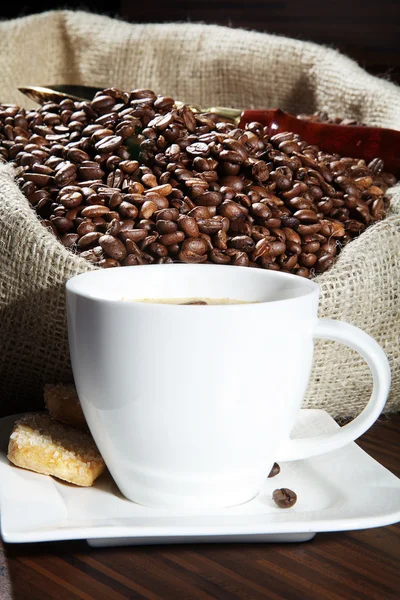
(378, 363)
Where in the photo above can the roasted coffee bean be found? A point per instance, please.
(62, 224)
(198, 149)
(188, 118)
(298, 204)
(128, 166)
(188, 225)
(197, 184)
(90, 173)
(201, 212)
(276, 248)
(135, 235)
(209, 226)
(307, 229)
(186, 256)
(113, 247)
(376, 166)
(159, 201)
(130, 260)
(146, 224)
(231, 210)
(173, 250)
(220, 240)
(204, 164)
(240, 259)
(163, 190)
(324, 263)
(236, 184)
(170, 239)
(108, 143)
(303, 272)
(242, 242)
(65, 174)
(158, 249)
(282, 176)
(307, 260)
(77, 155)
(39, 179)
(164, 104)
(375, 190)
(262, 247)
(275, 470)
(73, 214)
(311, 247)
(149, 179)
(148, 209)
(306, 216)
(288, 263)
(108, 263)
(232, 157)
(260, 171)
(149, 239)
(114, 226)
(284, 497)
(166, 226)
(291, 235)
(85, 227)
(128, 210)
(69, 239)
(102, 103)
(167, 214)
(127, 225)
(196, 245)
(329, 247)
(261, 210)
(89, 239)
(115, 178)
(219, 257)
(377, 208)
(337, 228)
(71, 200)
(95, 210)
(43, 169)
(209, 199)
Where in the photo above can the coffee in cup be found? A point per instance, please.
(191, 406)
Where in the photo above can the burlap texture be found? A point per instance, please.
(208, 65)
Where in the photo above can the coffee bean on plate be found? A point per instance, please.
(284, 497)
(275, 470)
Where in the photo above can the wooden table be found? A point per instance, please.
(358, 565)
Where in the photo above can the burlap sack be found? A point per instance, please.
(206, 65)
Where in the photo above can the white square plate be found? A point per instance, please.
(345, 489)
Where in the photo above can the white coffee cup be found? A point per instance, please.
(190, 406)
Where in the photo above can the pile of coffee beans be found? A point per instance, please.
(131, 178)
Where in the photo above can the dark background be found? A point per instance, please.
(366, 30)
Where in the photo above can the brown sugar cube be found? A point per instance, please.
(63, 404)
(41, 444)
